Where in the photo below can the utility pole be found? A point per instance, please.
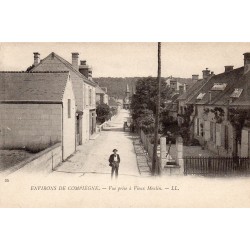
(155, 166)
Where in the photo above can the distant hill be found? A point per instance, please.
(117, 85)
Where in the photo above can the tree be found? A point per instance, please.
(102, 112)
(30, 68)
(238, 118)
(143, 102)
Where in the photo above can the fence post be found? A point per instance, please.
(180, 161)
(163, 151)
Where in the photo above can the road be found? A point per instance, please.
(92, 157)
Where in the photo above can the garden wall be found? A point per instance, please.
(41, 163)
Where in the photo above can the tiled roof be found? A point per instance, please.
(191, 90)
(234, 79)
(69, 65)
(98, 90)
(33, 86)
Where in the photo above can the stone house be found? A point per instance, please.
(193, 88)
(213, 104)
(37, 110)
(83, 87)
(101, 95)
(175, 85)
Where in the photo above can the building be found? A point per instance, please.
(175, 85)
(101, 95)
(185, 97)
(37, 110)
(218, 105)
(83, 87)
(127, 99)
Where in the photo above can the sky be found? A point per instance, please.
(131, 59)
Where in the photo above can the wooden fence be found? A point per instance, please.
(149, 148)
(217, 166)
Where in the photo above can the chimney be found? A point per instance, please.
(195, 77)
(181, 89)
(36, 58)
(84, 68)
(75, 57)
(89, 73)
(206, 73)
(229, 68)
(246, 62)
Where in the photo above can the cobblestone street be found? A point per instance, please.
(92, 157)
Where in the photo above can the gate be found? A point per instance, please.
(217, 166)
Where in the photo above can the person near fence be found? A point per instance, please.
(114, 161)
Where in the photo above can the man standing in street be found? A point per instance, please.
(114, 161)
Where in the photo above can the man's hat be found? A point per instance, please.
(115, 150)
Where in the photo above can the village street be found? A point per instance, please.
(92, 157)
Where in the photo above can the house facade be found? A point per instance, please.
(101, 95)
(83, 87)
(218, 107)
(37, 110)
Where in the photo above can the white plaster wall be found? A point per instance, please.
(68, 123)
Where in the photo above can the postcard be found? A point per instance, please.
(124, 124)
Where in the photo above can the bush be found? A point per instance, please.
(195, 142)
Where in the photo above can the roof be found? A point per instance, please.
(99, 90)
(232, 80)
(191, 90)
(67, 64)
(32, 86)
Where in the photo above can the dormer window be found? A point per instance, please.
(236, 93)
(219, 86)
(200, 96)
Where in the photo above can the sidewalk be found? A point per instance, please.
(92, 157)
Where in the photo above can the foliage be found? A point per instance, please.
(30, 68)
(143, 102)
(238, 118)
(103, 112)
(184, 130)
(206, 111)
(218, 114)
(117, 85)
(113, 111)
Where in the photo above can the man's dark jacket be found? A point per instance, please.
(111, 159)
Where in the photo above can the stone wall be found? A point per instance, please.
(41, 163)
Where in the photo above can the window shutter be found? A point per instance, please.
(218, 134)
(195, 126)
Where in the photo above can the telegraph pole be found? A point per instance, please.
(155, 166)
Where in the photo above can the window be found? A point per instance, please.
(198, 126)
(236, 93)
(69, 108)
(213, 132)
(226, 138)
(90, 97)
(200, 96)
(219, 86)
